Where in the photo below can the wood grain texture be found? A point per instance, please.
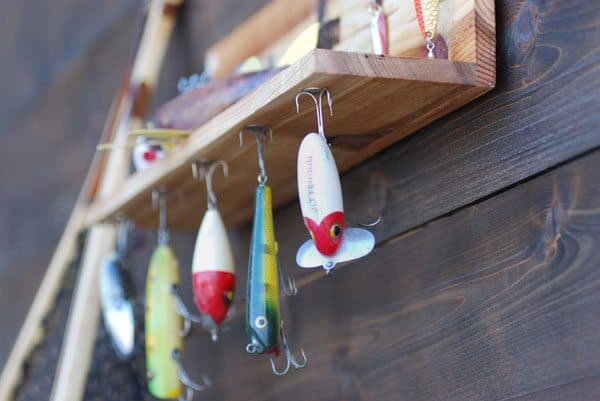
(466, 32)
(496, 301)
(410, 93)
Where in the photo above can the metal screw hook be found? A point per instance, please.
(186, 380)
(261, 132)
(209, 168)
(290, 359)
(159, 199)
(189, 318)
(318, 104)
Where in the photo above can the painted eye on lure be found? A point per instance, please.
(335, 231)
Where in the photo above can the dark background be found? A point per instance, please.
(485, 283)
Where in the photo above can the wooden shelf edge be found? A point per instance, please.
(265, 105)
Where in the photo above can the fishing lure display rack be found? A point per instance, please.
(377, 101)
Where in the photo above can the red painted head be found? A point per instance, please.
(328, 234)
(213, 293)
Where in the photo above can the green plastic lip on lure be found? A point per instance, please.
(163, 325)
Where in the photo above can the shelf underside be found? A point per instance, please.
(376, 102)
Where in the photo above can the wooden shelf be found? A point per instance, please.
(376, 101)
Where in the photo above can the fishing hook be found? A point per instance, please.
(291, 360)
(159, 199)
(209, 167)
(189, 318)
(372, 223)
(318, 104)
(186, 380)
(261, 132)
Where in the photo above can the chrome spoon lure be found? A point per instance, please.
(263, 314)
(117, 298)
(321, 202)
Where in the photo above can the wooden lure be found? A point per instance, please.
(149, 145)
(263, 314)
(213, 266)
(166, 375)
(163, 325)
(321, 202)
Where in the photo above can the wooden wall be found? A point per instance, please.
(485, 282)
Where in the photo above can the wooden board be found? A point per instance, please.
(377, 101)
(466, 32)
(495, 301)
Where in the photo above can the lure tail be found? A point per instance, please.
(357, 242)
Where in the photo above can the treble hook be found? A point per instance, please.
(291, 360)
(208, 173)
(159, 197)
(261, 132)
(291, 288)
(189, 318)
(318, 104)
(186, 380)
(372, 223)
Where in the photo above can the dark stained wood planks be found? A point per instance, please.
(495, 301)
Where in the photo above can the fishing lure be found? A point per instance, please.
(427, 16)
(150, 144)
(116, 298)
(378, 28)
(263, 315)
(321, 202)
(213, 267)
(163, 324)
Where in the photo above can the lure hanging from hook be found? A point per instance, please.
(213, 266)
(117, 296)
(163, 324)
(427, 15)
(263, 315)
(321, 202)
(262, 227)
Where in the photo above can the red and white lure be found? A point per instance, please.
(213, 266)
(320, 194)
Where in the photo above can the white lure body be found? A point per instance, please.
(321, 202)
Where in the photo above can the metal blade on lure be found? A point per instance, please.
(378, 28)
(357, 242)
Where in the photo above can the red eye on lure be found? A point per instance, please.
(320, 195)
